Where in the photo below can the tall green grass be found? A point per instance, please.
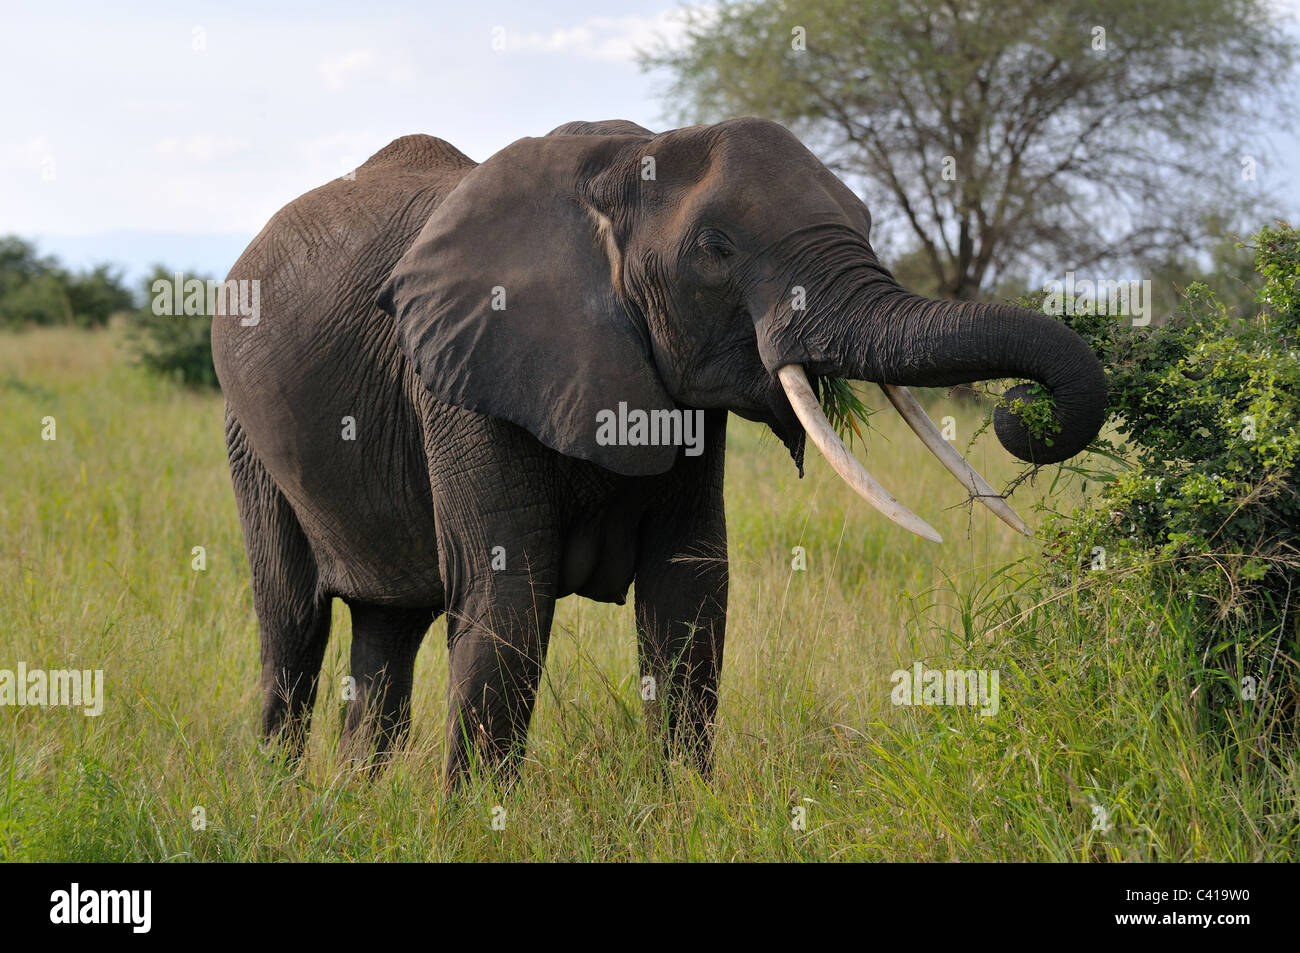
(1098, 706)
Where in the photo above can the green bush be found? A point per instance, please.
(96, 295)
(176, 345)
(1198, 484)
(36, 299)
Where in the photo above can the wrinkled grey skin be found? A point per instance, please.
(475, 427)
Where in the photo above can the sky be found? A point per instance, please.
(171, 132)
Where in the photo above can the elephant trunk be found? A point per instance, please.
(849, 318)
(910, 340)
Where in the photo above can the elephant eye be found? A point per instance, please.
(715, 244)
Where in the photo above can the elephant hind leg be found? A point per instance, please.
(384, 644)
(293, 614)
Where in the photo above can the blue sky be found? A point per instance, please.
(122, 141)
(172, 131)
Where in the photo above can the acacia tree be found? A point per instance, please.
(994, 136)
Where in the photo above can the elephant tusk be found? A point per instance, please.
(795, 384)
(910, 409)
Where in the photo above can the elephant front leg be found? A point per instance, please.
(497, 640)
(498, 555)
(681, 610)
(681, 603)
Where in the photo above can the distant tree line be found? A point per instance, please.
(38, 290)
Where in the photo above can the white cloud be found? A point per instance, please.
(326, 157)
(27, 156)
(612, 39)
(361, 65)
(201, 148)
(337, 69)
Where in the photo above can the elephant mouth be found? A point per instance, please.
(806, 407)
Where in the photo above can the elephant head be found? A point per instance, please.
(709, 267)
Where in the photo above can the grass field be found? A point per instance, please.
(1095, 754)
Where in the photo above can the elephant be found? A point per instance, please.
(476, 388)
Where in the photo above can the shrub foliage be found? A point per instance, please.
(1194, 486)
(178, 346)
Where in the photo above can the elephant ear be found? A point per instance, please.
(506, 304)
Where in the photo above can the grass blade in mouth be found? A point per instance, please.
(843, 408)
